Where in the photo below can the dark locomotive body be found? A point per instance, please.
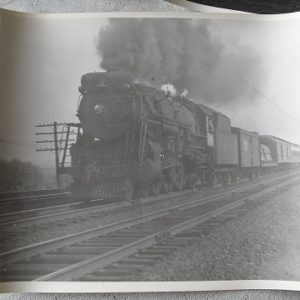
(136, 140)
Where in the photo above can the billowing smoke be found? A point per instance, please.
(184, 53)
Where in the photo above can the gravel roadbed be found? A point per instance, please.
(263, 243)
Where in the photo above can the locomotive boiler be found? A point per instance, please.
(136, 140)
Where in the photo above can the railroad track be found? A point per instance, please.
(5, 196)
(29, 201)
(13, 221)
(69, 211)
(51, 213)
(110, 252)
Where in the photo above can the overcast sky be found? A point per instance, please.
(42, 61)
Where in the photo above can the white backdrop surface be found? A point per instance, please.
(57, 6)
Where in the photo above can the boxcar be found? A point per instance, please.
(248, 151)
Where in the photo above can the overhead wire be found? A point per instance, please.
(257, 90)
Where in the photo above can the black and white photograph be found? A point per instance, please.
(149, 148)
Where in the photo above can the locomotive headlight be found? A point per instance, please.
(98, 109)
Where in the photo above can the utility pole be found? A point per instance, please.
(56, 154)
(57, 140)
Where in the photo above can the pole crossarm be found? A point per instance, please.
(58, 138)
(63, 132)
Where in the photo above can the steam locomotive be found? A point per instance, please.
(136, 140)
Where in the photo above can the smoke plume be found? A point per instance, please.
(184, 53)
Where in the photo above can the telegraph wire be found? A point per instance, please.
(257, 90)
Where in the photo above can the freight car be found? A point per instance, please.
(248, 153)
(136, 140)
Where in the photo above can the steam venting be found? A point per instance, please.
(182, 53)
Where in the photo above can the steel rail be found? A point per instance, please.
(35, 197)
(18, 214)
(52, 217)
(34, 210)
(30, 191)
